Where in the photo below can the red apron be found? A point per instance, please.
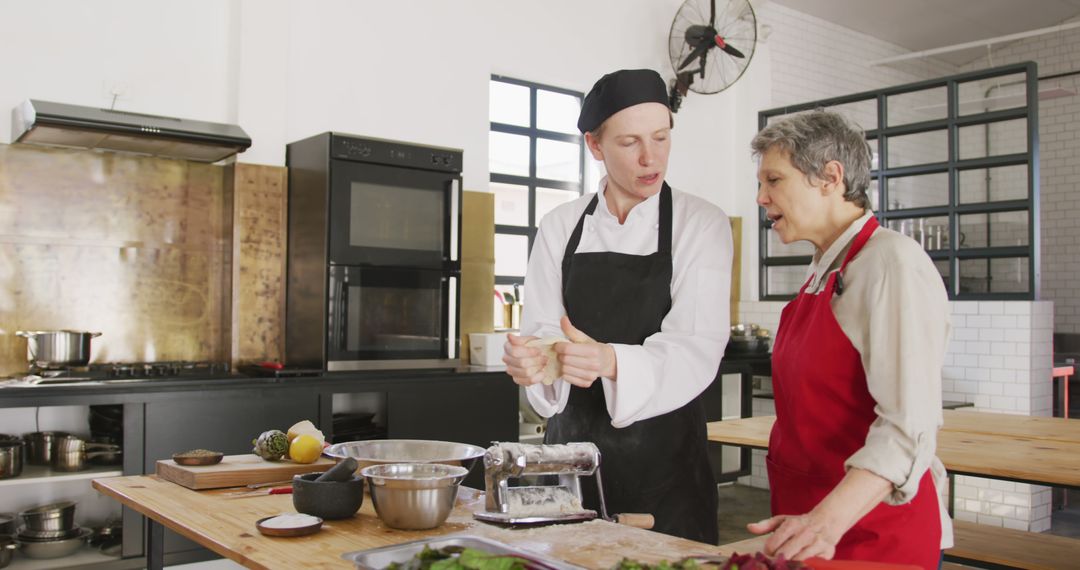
(823, 412)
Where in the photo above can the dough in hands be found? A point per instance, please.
(553, 368)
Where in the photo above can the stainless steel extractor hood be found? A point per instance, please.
(42, 122)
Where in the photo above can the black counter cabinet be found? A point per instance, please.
(165, 416)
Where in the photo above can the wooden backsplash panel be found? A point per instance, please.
(258, 249)
(137, 248)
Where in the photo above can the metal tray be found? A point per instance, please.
(377, 558)
(506, 518)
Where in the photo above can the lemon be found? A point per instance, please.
(305, 448)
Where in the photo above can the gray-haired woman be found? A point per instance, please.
(856, 364)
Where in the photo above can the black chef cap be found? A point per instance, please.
(617, 91)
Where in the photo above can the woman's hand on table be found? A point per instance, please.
(583, 359)
(798, 537)
(524, 364)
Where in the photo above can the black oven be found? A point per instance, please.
(392, 215)
(373, 255)
(380, 313)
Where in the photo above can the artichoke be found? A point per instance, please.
(271, 445)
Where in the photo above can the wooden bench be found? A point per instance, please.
(981, 545)
(977, 544)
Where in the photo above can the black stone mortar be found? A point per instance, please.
(327, 499)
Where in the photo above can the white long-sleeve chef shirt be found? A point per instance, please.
(677, 363)
(895, 312)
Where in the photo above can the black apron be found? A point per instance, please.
(658, 465)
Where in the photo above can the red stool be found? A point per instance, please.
(1064, 372)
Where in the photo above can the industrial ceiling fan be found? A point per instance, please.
(710, 45)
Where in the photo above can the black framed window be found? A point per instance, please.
(956, 168)
(536, 157)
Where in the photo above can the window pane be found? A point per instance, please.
(785, 280)
(993, 139)
(557, 112)
(509, 154)
(931, 233)
(942, 266)
(919, 191)
(998, 275)
(511, 255)
(511, 204)
(917, 106)
(776, 248)
(1009, 275)
(557, 160)
(994, 184)
(993, 94)
(1000, 229)
(509, 103)
(875, 162)
(920, 148)
(547, 199)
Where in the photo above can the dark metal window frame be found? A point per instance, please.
(953, 166)
(532, 181)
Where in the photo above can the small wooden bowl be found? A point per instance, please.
(294, 531)
(181, 459)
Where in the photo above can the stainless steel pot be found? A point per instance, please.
(57, 349)
(7, 550)
(8, 524)
(11, 456)
(71, 452)
(40, 446)
(55, 517)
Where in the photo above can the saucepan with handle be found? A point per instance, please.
(58, 349)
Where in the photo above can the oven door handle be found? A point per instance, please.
(453, 187)
(342, 310)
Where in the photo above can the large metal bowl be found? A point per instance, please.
(53, 548)
(52, 517)
(386, 451)
(413, 496)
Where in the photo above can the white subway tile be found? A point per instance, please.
(965, 333)
(991, 307)
(1018, 308)
(992, 334)
(1003, 321)
(979, 321)
(965, 307)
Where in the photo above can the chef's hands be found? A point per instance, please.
(583, 359)
(798, 537)
(524, 364)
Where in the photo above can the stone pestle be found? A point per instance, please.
(343, 471)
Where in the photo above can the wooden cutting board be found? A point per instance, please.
(236, 471)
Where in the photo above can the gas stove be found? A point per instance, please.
(128, 371)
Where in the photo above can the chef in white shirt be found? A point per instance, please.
(637, 275)
(856, 363)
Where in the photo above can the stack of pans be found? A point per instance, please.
(50, 531)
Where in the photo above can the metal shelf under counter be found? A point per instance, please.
(32, 474)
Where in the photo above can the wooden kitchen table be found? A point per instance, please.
(227, 526)
(1026, 449)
